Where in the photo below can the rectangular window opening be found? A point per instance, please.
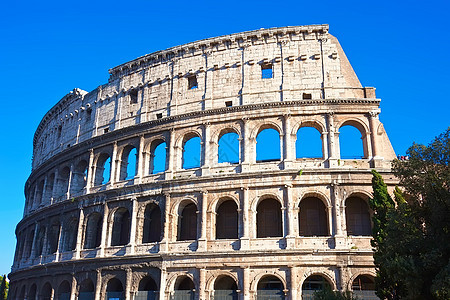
(106, 130)
(159, 115)
(192, 82)
(307, 96)
(266, 71)
(134, 97)
(228, 103)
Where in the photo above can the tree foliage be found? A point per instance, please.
(411, 239)
(3, 288)
(328, 294)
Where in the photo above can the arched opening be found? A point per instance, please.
(79, 177)
(351, 142)
(64, 291)
(364, 287)
(70, 231)
(32, 292)
(128, 166)
(227, 220)
(228, 150)
(270, 287)
(46, 292)
(102, 169)
(147, 290)
(63, 183)
(357, 217)
(39, 246)
(312, 217)
(268, 145)
(184, 289)
(93, 232)
(192, 153)
(28, 244)
(158, 161)
(39, 192)
(309, 143)
(114, 290)
(152, 224)
(121, 227)
(87, 290)
(313, 283)
(268, 219)
(22, 293)
(187, 223)
(225, 288)
(49, 186)
(53, 237)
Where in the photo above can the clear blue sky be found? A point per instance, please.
(48, 48)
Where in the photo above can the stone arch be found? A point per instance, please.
(185, 153)
(318, 194)
(151, 164)
(128, 166)
(114, 288)
(46, 292)
(22, 293)
(269, 217)
(64, 290)
(152, 223)
(79, 177)
(120, 219)
(277, 153)
(317, 124)
(266, 124)
(39, 192)
(32, 292)
(355, 275)
(269, 286)
(225, 287)
(227, 219)
(50, 186)
(86, 289)
(93, 230)
(54, 231)
(62, 182)
(147, 288)
(69, 234)
(175, 277)
(103, 168)
(39, 243)
(187, 227)
(313, 217)
(357, 216)
(327, 274)
(212, 280)
(184, 287)
(222, 156)
(320, 129)
(362, 127)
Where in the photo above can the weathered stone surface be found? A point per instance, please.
(148, 101)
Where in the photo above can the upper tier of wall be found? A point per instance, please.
(306, 63)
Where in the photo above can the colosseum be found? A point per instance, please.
(134, 195)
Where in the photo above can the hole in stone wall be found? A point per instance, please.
(307, 96)
(192, 82)
(159, 115)
(228, 103)
(134, 97)
(266, 71)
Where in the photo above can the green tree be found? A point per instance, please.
(328, 294)
(411, 240)
(3, 288)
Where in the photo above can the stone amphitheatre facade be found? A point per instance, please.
(248, 228)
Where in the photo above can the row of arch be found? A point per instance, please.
(313, 220)
(121, 163)
(225, 287)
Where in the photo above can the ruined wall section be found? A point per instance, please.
(306, 63)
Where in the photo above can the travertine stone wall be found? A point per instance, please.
(148, 101)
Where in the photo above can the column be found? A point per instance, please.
(114, 165)
(128, 279)
(246, 283)
(374, 122)
(334, 215)
(60, 241)
(246, 159)
(245, 238)
(202, 283)
(289, 148)
(170, 155)
(69, 183)
(162, 285)
(44, 190)
(332, 158)
(202, 241)
(104, 241)
(164, 244)
(207, 153)
(141, 163)
(73, 288)
(289, 217)
(91, 172)
(55, 185)
(98, 285)
(294, 282)
(132, 242)
(79, 233)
